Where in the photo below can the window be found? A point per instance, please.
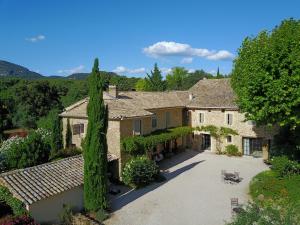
(154, 121)
(78, 128)
(229, 119)
(168, 119)
(201, 117)
(251, 122)
(137, 127)
(229, 139)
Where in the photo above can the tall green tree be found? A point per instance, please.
(154, 80)
(141, 85)
(175, 79)
(219, 76)
(266, 75)
(56, 135)
(95, 147)
(68, 135)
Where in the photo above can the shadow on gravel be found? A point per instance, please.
(130, 195)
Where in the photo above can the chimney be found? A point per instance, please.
(191, 96)
(113, 91)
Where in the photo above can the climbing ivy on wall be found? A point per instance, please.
(218, 133)
(138, 145)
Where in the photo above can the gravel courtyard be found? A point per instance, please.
(193, 193)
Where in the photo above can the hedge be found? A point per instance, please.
(141, 144)
(15, 204)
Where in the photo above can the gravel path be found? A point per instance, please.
(193, 193)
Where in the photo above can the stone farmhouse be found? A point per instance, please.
(209, 102)
(44, 189)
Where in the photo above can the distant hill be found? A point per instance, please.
(81, 76)
(8, 69)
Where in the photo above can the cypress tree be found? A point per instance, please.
(95, 148)
(68, 135)
(56, 137)
(154, 80)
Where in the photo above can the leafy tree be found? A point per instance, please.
(175, 79)
(68, 135)
(95, 147)
(266, 75)
(141, 85)
(56, 135)
(154, 80)
(194, 77)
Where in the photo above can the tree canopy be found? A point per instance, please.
(266, 75)
(154, 80)
(175, 79)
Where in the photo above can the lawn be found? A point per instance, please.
(274, 188)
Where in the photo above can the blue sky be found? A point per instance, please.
(59, 37)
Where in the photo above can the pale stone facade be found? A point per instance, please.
(151, 111)
(218, 118)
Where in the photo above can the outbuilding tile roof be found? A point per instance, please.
(39, 182)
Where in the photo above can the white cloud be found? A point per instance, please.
(122, 69)
(77, 69)
(36, 38)
(165, 70)
(221, 55)
(165, 48)
(186, 60)
(191, 70)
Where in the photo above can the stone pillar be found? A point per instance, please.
(266, 150)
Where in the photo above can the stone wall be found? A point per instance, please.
(217, 117)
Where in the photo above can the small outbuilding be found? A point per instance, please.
(44, 189)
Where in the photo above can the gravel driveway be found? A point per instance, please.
(193, 193)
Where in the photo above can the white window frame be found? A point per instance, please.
(201, 117)
(136, 133)
(227, 119)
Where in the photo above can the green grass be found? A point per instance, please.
(274, 188)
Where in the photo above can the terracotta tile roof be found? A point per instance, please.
(39, 182)
(212, 93)
(129, 104)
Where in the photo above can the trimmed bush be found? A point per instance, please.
(232, 150)
(139, 172)
(101, 215)
(282, 166)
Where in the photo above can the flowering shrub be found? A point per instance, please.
(139, 172)
(19, 220)
(20, 152)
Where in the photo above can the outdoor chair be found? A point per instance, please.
(223, 172)
(235, 206)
